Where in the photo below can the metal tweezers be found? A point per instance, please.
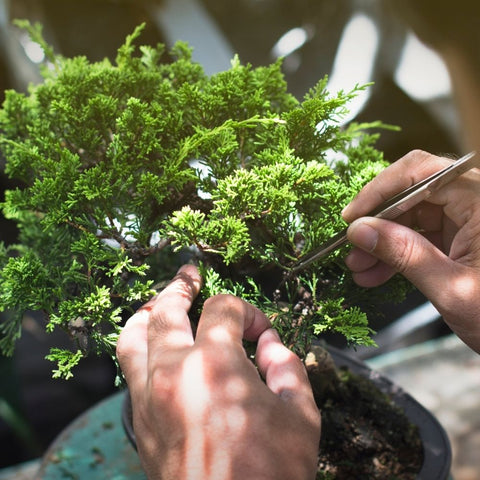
(397, 205)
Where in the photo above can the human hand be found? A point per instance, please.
(200, 408)
(441, 258)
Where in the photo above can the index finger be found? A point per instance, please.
(405, 172)
(162, 320)
(169, 324)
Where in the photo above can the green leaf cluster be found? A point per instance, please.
(128, 168)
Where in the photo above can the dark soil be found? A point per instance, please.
(365, 436)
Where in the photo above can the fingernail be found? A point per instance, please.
(363, 235)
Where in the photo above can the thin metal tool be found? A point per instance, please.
(398, 204)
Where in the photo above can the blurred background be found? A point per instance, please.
(407, 48)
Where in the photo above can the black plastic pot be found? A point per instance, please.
(436, 445)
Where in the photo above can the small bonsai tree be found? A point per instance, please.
(128, 169)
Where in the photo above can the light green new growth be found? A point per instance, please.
(131, 168)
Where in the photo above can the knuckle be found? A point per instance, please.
(226, 300)
(163, 385)
(405, 254)
(417, 152)
(418, 161)
(416, 156)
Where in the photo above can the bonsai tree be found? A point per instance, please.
(128, 169)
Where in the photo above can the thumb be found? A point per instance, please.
(388, 248)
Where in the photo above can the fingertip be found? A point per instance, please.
(347, 213)
(374, 276)
(259, 324)
(191, 274)
(185, 285)
(363, 235)
(269, 348)
(359, 260)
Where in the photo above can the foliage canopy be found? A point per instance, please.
(128, 168)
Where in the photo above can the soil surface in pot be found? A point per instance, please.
(365, 436)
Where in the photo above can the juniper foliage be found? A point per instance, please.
(128, 168)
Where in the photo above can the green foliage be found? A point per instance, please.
(127, 165)
(65, 361)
